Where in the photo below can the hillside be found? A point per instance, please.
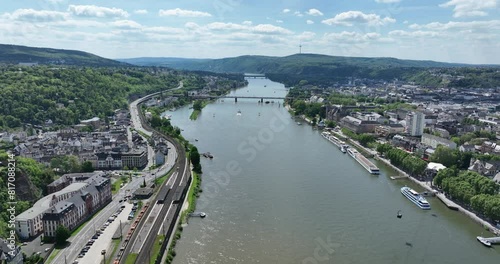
(266, 64)
(14, 54)
(327, 70)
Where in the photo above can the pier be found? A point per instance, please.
(398, 177)
(447, 202)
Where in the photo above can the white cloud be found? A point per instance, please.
(297, 13)
(247, 22)
(141, 11)
(286, 10)
(491, 26)
(387, 1)
(270, 29)
(55, 1)
(306, 35)
(405, 22)
(352, 17)
(469, 8)
(126, 24)
(279, 21)
(183, 13)
(413, 34)
(314, 12)
(309, 22)
(226, 26)
(32, 15)
(351, 37)
(96, 11)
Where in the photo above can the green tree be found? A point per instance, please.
(87, 166)
(198, 105)
(365, 139)
(62, 234)
(446, 156)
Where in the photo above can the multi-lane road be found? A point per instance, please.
(78, 242)
(160, 214)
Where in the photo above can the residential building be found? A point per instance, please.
(358, 126)
(388, 129)
(10, 254)
(135, 159)
(434, 141)
(415, 123)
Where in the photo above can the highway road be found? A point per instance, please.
(157, 215)
(77, 242)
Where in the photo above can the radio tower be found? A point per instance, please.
(300, 48)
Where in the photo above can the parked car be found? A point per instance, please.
(47, 249)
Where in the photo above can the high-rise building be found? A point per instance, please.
(415, 123)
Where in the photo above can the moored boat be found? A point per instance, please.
(484, 241)
(415, 197)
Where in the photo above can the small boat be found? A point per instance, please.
(484, 241)
(259, 114)
(267, 102)
(399, 214)
(343, 148)
(238, 113)
(298, 123)
(196, 140)
(265, 85)
(202, 215)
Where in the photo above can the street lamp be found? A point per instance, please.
(103, 253)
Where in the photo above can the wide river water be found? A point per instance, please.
(278, 192)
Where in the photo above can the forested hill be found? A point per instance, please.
(296, 62)
(14, 54)
(327, 70)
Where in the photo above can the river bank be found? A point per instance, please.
(427, 186)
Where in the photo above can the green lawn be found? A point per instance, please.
(53, 254)
(156, 248)
(131, 258)
(116, 244)
(194, 114)
(116, 186)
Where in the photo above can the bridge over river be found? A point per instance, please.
(261, 98)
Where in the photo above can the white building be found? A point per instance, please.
(415, 123)
(29, 223)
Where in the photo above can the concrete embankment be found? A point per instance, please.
(449, 203)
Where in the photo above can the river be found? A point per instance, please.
(277, 192)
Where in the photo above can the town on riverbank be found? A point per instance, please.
(450, 148)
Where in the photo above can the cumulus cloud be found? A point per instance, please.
(96, 11)
(141, 11)
(286, 10)
(351, 37)
(297, 13)
(357, 17)
(309, 22)
(32, 15)
(279, 21)
(126, 24)
(183, 13)
(314, 12)
(469, 8)
(247, 22)
(270, 29)
(413, 34)
(488, 26)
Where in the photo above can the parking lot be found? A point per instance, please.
(102, 242)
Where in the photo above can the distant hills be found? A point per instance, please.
(14, 54)
(267, 64)
(330, 70)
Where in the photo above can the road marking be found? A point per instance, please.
(164, 219)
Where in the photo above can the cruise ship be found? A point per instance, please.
(368, 165)
(415, 197)
(333, 139)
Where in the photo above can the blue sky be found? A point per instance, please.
(442, 30)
